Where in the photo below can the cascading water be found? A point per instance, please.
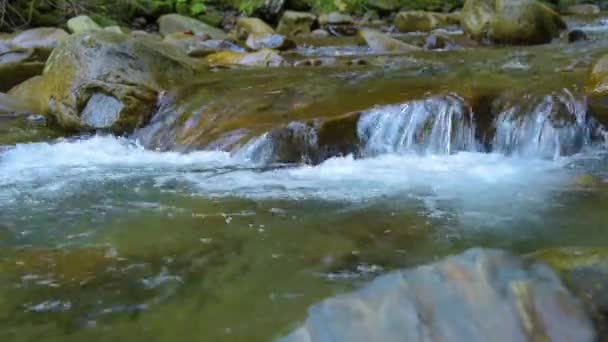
(437, 125)
(544, 127)
(548, 127)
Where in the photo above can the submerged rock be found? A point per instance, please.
(480, 295)
(104, 80)
(296, 23)
(577, 36)
(511, 22)
(419, 21)
(262, 58)
(81, 24)
(380, 43)
(173, 23)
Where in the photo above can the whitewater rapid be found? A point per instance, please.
(69, 162)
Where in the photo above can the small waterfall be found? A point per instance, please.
(548, 127)
(436, 125)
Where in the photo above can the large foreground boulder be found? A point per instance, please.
(511, 22)
(480, 295)
(105, 80)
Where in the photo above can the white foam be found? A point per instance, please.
(467, 184)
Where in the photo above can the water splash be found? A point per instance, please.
(551, 126)
(436, 125)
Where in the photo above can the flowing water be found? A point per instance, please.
(101, 239)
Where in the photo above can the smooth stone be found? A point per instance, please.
(247, 26)
(269, 41)
(381, 43)
(101, 111)
(262, 58)
(419, 21)
(174, 23)
(577, 36)
(479, 295)
(583, 9)
(82, 23)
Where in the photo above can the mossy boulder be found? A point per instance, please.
(174, 23)
(420, 21)
(511, 22)
(296, 23)
(105, 80)
(381, 43)
(81, 24)
(246, 26)
(596, 89)
(262, 58)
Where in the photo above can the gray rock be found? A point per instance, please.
(81, 24)
(174, 23)
(480, 295)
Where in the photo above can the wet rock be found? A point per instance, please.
(269, 41)
(207, 47)
(583, 9)
(320, 33)
(43, 40)
(183, 40)
(585, 272)
(172, 23)
(296, 23)
(18, 65)
(381, 43)
(29, 92)
(419, 21)
(596, 89)
(577, 36)
(247, 26)
(23, 54)
(438, 42)
(81, 24)
(104, 80)
(511, 22)
(338, 23)
(480, 295)
(262, 58)
(311, 142)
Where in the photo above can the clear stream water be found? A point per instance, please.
(103, 240)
